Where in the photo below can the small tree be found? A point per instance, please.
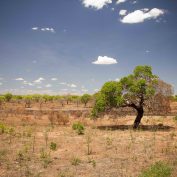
(132, 91)
(8, 96)
(2, 99)
(85, 99)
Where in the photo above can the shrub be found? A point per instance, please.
(53, 146)
(8, 96)
(159, 169)
(79, 127)
(75, 161)
(62, 118)
(45, 158)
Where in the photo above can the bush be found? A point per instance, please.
(8, 96)
(53, 146)
(79, 127)
(159, 169)
(62, 118)
(75, 161)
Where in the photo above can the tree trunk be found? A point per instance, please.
(139, 116)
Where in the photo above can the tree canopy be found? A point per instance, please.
(131, 91)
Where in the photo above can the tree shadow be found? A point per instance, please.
(141, 127)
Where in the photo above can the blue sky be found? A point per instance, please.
(74, 46)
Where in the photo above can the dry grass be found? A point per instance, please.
(108, 148)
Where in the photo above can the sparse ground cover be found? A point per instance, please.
(106, 148)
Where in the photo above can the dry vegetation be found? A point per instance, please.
(40, 141)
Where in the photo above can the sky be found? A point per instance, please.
(75, 46)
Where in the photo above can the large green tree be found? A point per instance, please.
(132, 91)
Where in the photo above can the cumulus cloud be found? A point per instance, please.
(19, 79)
(96, 4)
(122, 12)
(139, 16)
(120, 1)
(54, 79)
(52, 30)
(39, 80)
(104, 61)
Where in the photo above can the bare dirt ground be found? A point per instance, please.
(108, 147)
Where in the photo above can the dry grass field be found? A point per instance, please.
(30, 146)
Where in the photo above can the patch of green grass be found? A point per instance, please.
(159, 169)
(79, 127)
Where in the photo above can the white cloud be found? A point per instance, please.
(96, 90)
(0, 83)
(52, 30)
(105, 61)
(19, 79)
(28, 83)
(39, 80)
(54, 79)
(120, 1)
(134, 2)
(122, 12)
(72, 85)
(117, 79)
(35, 28)
(139, 16)
(48, 29)
(84, 90)
(48, 85)
(97, 4)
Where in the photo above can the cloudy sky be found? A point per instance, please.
(74, 46)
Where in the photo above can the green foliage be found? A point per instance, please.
(100, 105)
(85, 98)
(45, 158)
(159, 169)
(2, 99)
(133, 89)
(8, 96)
(6, 129)
(79, 127)
(53, 146)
